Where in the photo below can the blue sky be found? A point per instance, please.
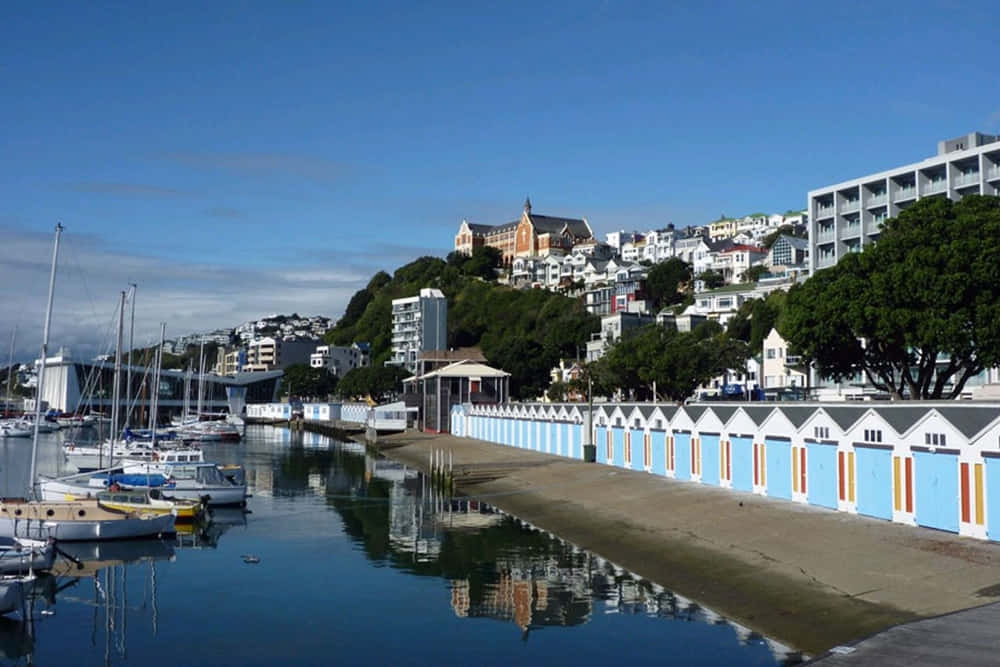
(237, 159)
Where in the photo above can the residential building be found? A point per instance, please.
(270, 353)
(612, 329)
(780, 370)
(419, 324)
(529, 236)
(845, 217)
(787, 251)
(339, 359)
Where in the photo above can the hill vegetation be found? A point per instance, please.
(524, 332)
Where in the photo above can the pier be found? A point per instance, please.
(812, 578)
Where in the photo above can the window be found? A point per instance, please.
(821, 432)
(873, 435)
(770, 353)
(935, 439)
(636, 423)
(618, 421)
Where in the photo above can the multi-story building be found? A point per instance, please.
(419, 324)
(845, 217)
(272, 353)
(529, 236)
(612, 328)
(339, 359)
(787, 251)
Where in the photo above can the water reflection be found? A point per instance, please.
(464, 561)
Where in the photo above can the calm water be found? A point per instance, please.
(360, 563)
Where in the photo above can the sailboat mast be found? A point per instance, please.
(201, 378)
(10, 371)
(155, 398)
(128, 372)
(41, 370)
(117, 391)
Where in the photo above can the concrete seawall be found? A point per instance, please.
(809, 577)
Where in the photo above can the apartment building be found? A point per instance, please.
(845, 217)
(270, 353)
(339, 359)
(419, 324)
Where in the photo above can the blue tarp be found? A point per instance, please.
(134, 480)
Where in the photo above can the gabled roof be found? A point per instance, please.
(794, 241)
(477, 228)
(901, 418)
(797, 414)
(969, 420)
(465, 369)
(646, 411)
(668, 410)
(694, 411)
(758, 413)
(724, 412)
(844, 417)
(552, 225)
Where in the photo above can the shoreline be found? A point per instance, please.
(810, 578)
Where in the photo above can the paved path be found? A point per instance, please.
(965, 638)
(809, 577)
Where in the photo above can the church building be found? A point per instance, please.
(532, 235)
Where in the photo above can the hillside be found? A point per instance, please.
(524, 332)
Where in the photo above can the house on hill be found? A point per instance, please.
(532, 235)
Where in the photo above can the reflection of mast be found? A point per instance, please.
(156, 611)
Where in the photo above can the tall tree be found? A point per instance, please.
(918, 313)
(665, 282)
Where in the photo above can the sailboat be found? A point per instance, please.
(78, 519)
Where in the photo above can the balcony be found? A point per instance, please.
(824, 211)
(849, 205)
(902, 194)
(993, 173)
(880, 199)
(827, 236)
(971, 178)
(935, 186)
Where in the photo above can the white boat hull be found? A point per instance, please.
(85, 531)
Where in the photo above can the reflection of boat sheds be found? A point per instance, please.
(392, 471)
(98, 555)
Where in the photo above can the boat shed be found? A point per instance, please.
(461, 382)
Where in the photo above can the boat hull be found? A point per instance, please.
(70, 526)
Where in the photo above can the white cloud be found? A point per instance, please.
(189, 297)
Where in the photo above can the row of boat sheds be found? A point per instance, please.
(933, 464)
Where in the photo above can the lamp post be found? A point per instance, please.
(589, 448)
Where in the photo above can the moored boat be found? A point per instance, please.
(78, 520)
(25, 555)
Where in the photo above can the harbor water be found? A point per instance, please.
(346, 558)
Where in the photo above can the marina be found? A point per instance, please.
(342, 551)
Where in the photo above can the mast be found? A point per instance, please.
(117, 391)
(154, 400)
(10, 372)
(187, 394)
(41, 370)
(128, 371)
(201, 378)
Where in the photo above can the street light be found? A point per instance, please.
(589, 448)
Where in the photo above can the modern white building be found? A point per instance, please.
(845, 217)
(419, 324)
(270, 353)
(339, 359)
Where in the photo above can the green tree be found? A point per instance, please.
(556, 391)
(376, 382)
(666, 282)
(302, 380)
(712, 279)
(677, 362)
(753, 274)
(755, 319)
(918, 313)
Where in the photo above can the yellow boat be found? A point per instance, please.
(150, 502)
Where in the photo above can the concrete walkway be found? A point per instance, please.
(809, 577)
(965, 638)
